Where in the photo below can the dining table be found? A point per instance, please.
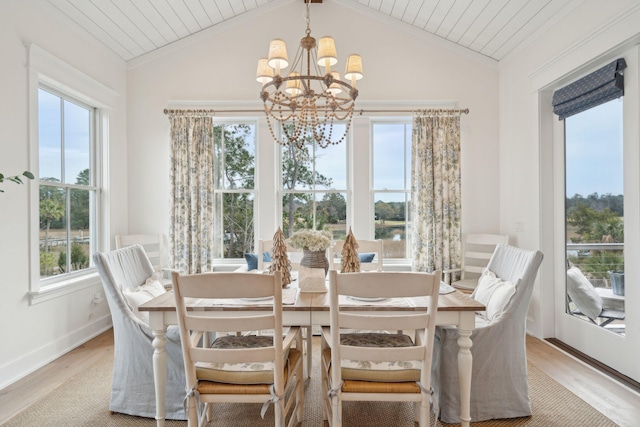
(310, 310)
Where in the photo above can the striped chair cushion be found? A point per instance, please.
(240, 373)
(389, 371)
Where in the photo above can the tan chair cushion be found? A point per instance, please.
(389, 371)
(241, 373)
(350, 386)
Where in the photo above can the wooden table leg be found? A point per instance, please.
(160, 372)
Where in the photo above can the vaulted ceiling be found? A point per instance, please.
(493, 28)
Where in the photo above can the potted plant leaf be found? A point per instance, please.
(15, 178)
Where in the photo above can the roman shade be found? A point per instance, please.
(601, 86)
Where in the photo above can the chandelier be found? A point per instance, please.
(306, 102)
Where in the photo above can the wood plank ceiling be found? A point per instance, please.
(492, 28)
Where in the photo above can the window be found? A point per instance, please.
(363, 182)
(314, 187)
(68, 222)
(234, 188)
(391, 169)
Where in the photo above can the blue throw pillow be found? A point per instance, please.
(252, 260)
(367, 257)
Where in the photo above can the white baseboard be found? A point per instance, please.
(30, 362)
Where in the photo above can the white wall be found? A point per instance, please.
(32, 335)
(400, 66)
(595, 31)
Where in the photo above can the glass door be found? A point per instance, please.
(597, 229)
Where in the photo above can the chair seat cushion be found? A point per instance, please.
(213, 381)
(388, 371)
(241, 373)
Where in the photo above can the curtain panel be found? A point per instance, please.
(435, 188)
(191, 198)
(603, 85)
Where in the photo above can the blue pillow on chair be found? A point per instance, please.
(252, 260)
(367, 257)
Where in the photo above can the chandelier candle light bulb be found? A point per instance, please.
(310, 101)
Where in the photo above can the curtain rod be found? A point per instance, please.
(358, 112)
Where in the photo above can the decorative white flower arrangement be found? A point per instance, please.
(312, 240)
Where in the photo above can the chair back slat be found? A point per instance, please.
(385, 284)
(382, 321)
(227, 285)
(229, 324)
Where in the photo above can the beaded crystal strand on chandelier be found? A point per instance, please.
(308, 104)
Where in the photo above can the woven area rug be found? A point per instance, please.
(84, 400)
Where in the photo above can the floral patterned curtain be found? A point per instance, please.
(191, 199)
(435, 187)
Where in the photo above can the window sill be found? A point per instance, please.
(64, 287)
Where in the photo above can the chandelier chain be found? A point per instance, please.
(308, 17)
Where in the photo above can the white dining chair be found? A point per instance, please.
(499, 380)
(239, 367)
(132, 385)
(372, 364)
(476, 252)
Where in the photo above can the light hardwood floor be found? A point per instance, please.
(617, 402)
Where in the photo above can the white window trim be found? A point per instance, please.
(46, 69)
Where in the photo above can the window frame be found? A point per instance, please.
(251, 121)
(405, 121)
(47, 71)
(314, 191)
(67, 186)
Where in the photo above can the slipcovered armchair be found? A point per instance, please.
(128, 280)
(499, 382)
